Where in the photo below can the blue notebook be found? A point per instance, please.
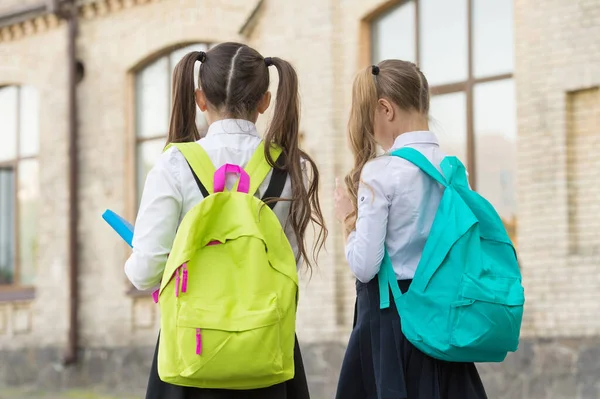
(120, 225)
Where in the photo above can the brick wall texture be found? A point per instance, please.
(557, 75)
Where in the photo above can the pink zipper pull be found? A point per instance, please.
(198, 341)
(177, 282)
(185, 278)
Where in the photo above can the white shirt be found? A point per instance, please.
(171, 191)
(397, 203)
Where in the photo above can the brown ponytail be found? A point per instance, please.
(182, 127)
(234, 79)
(284, 131)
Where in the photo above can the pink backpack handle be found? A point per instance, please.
(221, 174)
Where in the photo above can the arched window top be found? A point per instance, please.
(153, 93)
(153, 83)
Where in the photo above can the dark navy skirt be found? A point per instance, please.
(380, 363)
(296, 388)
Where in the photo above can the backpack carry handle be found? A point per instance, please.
(415, 157)
(221, 174)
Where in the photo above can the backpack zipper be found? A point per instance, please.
(198, 341)
(185, 278)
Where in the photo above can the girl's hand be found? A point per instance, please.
(343, 205)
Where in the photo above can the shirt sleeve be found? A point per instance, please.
(366, 244)
(156, 223)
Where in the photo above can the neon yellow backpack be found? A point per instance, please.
(229, 292)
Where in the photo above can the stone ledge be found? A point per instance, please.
(87, 10)
(541, 369)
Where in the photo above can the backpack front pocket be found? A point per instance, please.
(488, 315)
(217, 343)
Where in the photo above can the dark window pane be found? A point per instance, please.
(29, 205)
(393, 34)
(8, 126)
(29, 139)
(448, 115)
(495, 145)
(7, 233)
(492, 37)
(152, 95)
(444, 40)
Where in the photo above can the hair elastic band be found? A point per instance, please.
(201, 56)
(268, 61)
(375, 70)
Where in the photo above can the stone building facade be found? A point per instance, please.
(516, 95)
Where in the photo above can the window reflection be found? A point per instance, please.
(153, 99)
(495, 144)
(8, 127)
(393, 34)
(444, 42)
(19, 127)
(7, 211)
(29, 204)
(492, 37)
(29, 122)
(448, 119)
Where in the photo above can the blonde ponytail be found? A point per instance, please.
(361, 132)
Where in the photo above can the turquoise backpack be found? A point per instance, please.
(465, 303)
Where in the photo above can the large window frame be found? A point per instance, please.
(136, 175)
(140, 139)
(466, 86)
(15, 290)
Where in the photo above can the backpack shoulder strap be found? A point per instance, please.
(278, 179)
(201, 165)
(203, 189)
(416, 158)
(258, 168)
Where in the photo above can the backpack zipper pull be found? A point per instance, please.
(185, 278)
(198, 341)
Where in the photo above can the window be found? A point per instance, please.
(19, 185)
(153, 109)
(465, 49)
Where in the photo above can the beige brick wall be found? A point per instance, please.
(583, 167)
(557, 52)
(38, 61)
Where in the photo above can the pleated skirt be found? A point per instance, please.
(380, 363)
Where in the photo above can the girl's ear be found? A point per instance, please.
(264, 103)
(387, 108)
(201, 100)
